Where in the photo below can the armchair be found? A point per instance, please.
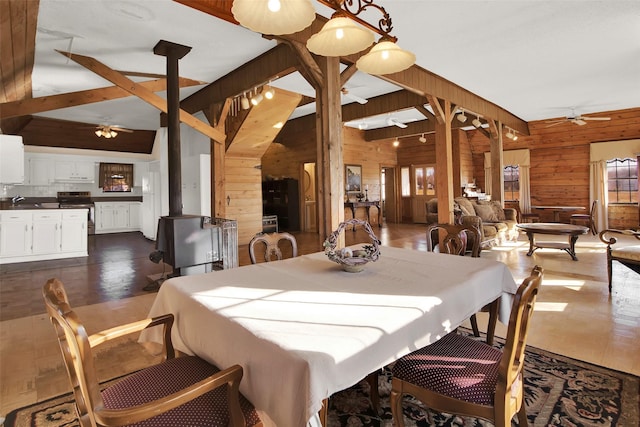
(187, 388)
(628, 255)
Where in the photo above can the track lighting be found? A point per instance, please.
(396, 142)
(269, 92)
(257, 99)
(244, 102)
(476, 122)
(422, 138)
(511, 134)
(461, 117)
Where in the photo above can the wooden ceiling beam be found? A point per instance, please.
(72, 99)
(412, 129)
(142, 93)
(274, 63)
(394, 101)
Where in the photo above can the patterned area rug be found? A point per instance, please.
(559, 392)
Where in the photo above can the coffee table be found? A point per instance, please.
(573, 231)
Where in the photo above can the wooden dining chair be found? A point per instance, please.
(463, 376)
(271, 243)
(526, 216)
(460, 240)
(589, 220)
(179, 391)
(626, 254)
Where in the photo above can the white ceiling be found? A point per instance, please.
(537, 59)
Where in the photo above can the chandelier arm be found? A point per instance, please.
(344, 8)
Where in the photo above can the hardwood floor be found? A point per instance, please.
(575, 315)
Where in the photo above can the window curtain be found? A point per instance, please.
(107, 170)
(598, 186)
(521, 158)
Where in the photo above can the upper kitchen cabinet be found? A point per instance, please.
(74, 171)
(38, 171)
(11, 159)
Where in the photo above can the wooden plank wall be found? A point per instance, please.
(560, 160)
(244, 191)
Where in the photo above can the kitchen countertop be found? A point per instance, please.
(52, 202)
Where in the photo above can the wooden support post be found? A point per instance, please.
(444, 159)
(497, 176)
(329, 149)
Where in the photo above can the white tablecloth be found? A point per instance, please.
(304, 329)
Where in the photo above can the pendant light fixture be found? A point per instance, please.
(386, 57)
(340, 36)
(275, 17)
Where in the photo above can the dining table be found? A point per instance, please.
(558, 209)
(304, 329)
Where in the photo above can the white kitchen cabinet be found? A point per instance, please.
(73, 236)
(38, 171)
(116, 217)
(11, 159)
(42, 234)
(46, 232)
(15, 233)
(134, 215)
(74, 171)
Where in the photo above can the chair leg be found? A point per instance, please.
(396, 408)
(474, 325)
(522, 416)
(493, 320)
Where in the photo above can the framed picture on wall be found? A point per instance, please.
(353, 178)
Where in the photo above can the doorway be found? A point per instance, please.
(308, 189)
(388, 194)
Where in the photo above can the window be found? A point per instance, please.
(511, 175)
(115, 177)
(425, 180)
(622, 177)
(405, 181)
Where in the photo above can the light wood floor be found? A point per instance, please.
(575, 315)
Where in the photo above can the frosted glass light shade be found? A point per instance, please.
(274, 16)
(340, 36)
(385, 58)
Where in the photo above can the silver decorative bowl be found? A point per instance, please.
(352, 260)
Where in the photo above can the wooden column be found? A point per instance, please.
(497, 177)
(444, 158)
(329, 149)
(173, 52)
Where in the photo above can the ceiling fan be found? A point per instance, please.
(108, 131)
(353, 97)
(394, 122)
(576, 119)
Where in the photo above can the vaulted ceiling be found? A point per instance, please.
(523, 60)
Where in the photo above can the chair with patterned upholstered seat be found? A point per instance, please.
(271, 243)
(185, 391)
(628, 255)
(463, 376)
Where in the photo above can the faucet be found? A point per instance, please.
(16, 199)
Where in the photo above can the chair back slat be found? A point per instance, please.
(271, 243)
(76, 351)
(512, 362)
(453, 239)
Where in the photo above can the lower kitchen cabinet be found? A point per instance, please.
(116, 217)
(42, 234)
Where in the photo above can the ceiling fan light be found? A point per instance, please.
(274, 16)
(385, 57)
(113, 134)
(98, 132)
(340, 36)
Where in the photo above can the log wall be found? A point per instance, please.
(560, 160)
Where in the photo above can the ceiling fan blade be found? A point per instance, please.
(117, 129)
(579, 121)
(393, 122)
(356, 98)
(558, 122)
(595, 118)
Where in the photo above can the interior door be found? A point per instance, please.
(423, 188)
(389, 195)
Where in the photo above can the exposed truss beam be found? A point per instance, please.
(73, 99)
(142, 93)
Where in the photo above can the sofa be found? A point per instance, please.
(495, 223)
